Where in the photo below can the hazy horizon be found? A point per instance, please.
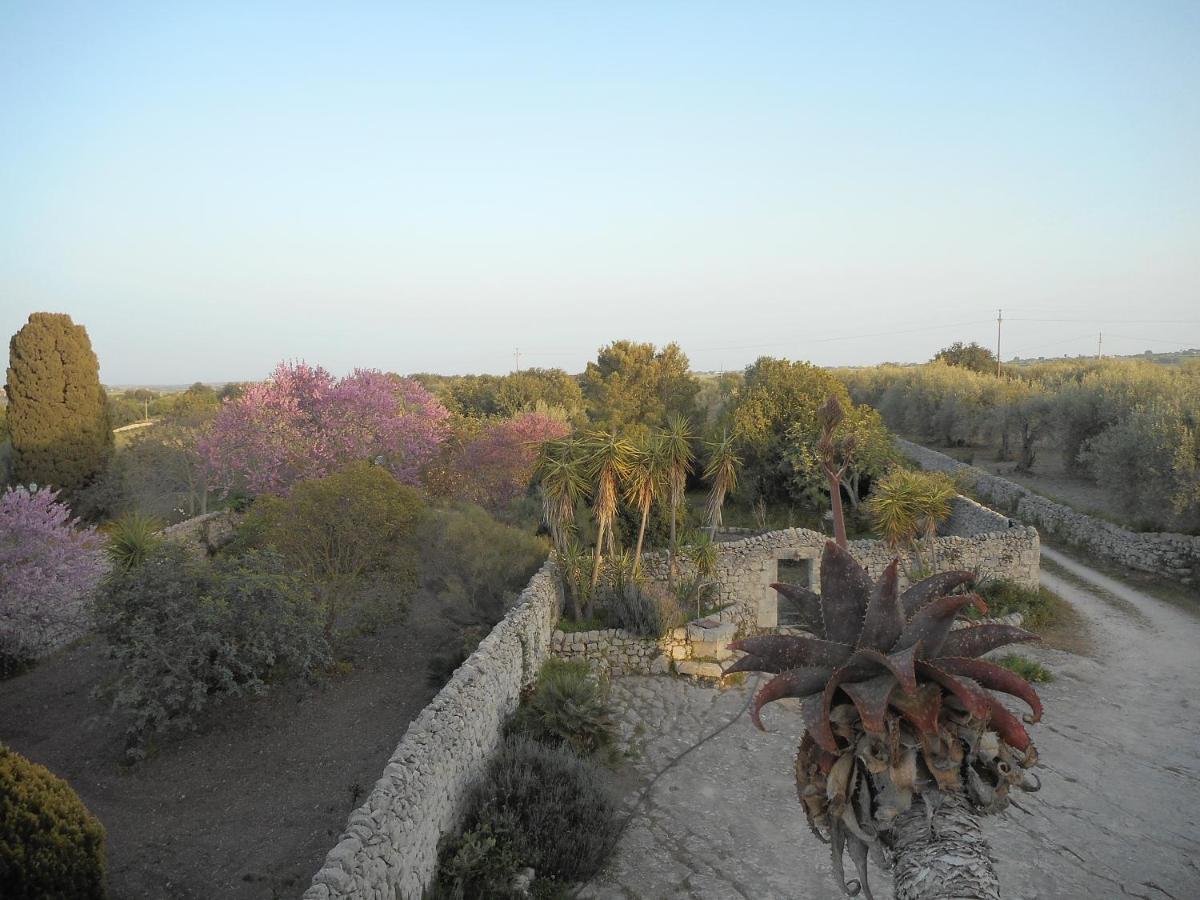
(210, 190)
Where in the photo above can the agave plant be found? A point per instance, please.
(897, 706)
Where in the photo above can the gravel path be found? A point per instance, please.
(1118, 816)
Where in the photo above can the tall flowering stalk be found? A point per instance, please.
(49, 567)
(304, 423)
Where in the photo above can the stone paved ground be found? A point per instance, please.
(1119, 815)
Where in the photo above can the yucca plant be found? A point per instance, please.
(905, 745)
(131, 539)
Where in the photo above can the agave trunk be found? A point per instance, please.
(942, 856)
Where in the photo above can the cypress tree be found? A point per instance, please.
(57, 411)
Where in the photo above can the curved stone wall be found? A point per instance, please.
(1161, 553)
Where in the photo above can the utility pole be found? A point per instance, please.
(999, 319)
(1100, 346)
(517, 354)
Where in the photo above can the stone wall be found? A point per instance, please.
(205, 534)
(1161, 553)
(389, 847)
(617, 652)
(989, 544)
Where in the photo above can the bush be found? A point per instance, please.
(348, 533)
(1031, 671)
(48, 570)
(556, 811)
(567, 708)
(131, 540)
(186, 632)
(50, 844)
(476, 565)
(649, 611)
(1039, 606)
(476, 864)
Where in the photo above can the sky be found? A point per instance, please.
(211, 188)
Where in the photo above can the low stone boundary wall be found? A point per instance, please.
(205, 534)
(1161, 553)
(745, 569)
(389, 847)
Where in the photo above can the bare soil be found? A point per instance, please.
(247, 806)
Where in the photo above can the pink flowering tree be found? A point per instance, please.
(497, 465)
(304, 423)
(49, 567)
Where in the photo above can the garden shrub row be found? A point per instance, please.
(546, 802)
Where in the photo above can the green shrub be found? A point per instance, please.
(131, 539)
(453, 652)
(186, 632)
(567, 708)
(556, 811)
(648, 610)
(477, 565)
(476, 864)
(51, 846)
(1039, 606)
(1031, 671)
(350, 534)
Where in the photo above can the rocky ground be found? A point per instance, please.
(715, 816)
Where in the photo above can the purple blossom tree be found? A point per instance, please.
(497, 465)
(48, 569)
(305, 423)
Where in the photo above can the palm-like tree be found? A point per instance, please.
(677, 450)
(644, 485)
(907, 505)
(561, 478)
(607, 464)
(722, 474)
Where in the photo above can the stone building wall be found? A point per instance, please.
(1161, 553)
(389, 847)
(746, 568)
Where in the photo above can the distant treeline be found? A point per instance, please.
(1131, 426)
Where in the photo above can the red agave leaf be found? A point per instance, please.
(932, 622)
(780, 652)
(934, 586)
(921, 708)
(884, 619)
(808, 603)
(871, 700)
(845, 592)
(793, 683)
(976, 640)
(995, 677)
(972, 697)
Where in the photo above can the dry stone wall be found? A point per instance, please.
(992, 545)
(206, 534)
(389, 847)
(1161, 553)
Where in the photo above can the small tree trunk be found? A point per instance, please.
(637, 554)
(944, 857)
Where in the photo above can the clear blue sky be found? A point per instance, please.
(213, 187)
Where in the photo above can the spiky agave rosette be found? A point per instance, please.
(896, 703)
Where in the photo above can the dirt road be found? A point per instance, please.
(1119, 814)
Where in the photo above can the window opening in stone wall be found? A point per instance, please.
(792, 571)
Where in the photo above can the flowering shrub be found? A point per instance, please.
(497, 465)
(305, 423)
(48, 568)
